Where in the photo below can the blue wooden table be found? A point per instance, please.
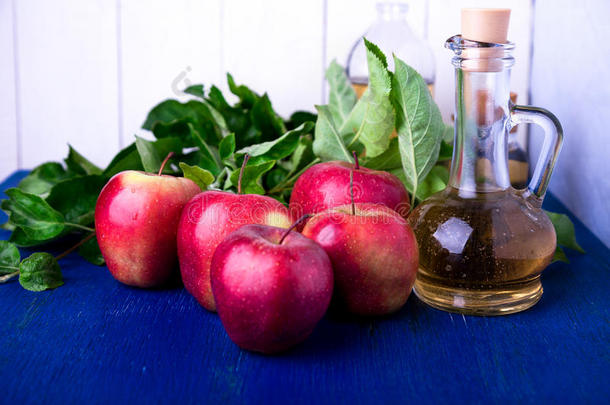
(98, 341)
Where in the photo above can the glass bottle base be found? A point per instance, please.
(502, 300)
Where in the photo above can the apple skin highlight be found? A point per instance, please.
(136, 221)
(374, 256)
(270, 296)
(206, 220)
(327, 185)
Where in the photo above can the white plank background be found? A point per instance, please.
(87, 72)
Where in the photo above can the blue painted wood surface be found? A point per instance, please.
(98, 341)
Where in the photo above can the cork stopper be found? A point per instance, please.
(485, 24)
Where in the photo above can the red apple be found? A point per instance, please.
(374, 256)
(270, 290)
(136, 220)
(326, 185)
(207, 219)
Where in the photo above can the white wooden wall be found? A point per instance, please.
(86, 72)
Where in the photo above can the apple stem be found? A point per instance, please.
(294, 225)
(355, 155)
(351, 190)
(241, 172)
(73, 248)
(169, 155)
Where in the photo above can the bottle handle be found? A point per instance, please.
(553, 138)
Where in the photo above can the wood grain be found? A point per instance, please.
(97, 341)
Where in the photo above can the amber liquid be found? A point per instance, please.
(481, 255)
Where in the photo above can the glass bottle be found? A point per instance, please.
(392, 34)
(483, 244)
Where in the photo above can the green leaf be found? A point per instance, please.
(90, 251)
(266, 120)
(251, 181)
(435, 181)
(390, 159)
(302, 155)
(42, 178)
(418, 123)
(33, 215)
(237, 119)
(177, 128)
(564, 228)
(247, 97)
(75, 198)
(79, 164)
(196, 112)
(328, 144)
(560, 256)
(226, 148)
(153, 153)
(201, 177)
(299, 117)
(127, 159)
(372, 118)
(278, 148)
(195, 90)
(19, 238)
(40, 272)
(209, 157)
(342, 97)
(150, 158)
(9, 257)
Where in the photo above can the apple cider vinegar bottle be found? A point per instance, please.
(483, 244)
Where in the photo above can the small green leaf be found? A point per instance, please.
(40, 272)
(75, 198)
(328, 144)
(247, 97)
(560, 256)
(19, 238)
(371, 121)
(251, 182)
(9, 257)
(79, 164)
(153, 153)
(388, 160)
(342, 97)
(209, 157)
(435, 181)
(195, 90)
(278, 148)
(564, 228)
(418, 122)
(299, 117)
(201, 177)
(266, 120)
(90, 251)
(42, 178)
(33, 215)
(127, 159)
(226, 148)
(150, 158)
(302, 155)
(177, 128)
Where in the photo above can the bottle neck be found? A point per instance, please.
(480, 154)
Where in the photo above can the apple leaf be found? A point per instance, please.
(75, 198)
(341, 96)
(266, 120)
(90, 251)
(33, 215)
(302, 155)
(127, 159)
(9, 257)
(80, 164)
(226, 148)
(195, 90)
(40, 272)
(388, 160)
(300, 117)
(152, 153)
(42, 178)
(371, 121)
(251, 182)
(328, 144)
(247, 97)
(418, 122)
(564, 228)
(278, 148)
(201, 177)
(560, 256)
